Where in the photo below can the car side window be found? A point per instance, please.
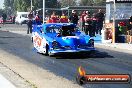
(56, 29)
(41, 30)
(49, 30)
(52, 29)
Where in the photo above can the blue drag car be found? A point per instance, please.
(55, 38)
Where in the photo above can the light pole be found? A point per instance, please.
(43, 10)
(31, 4)
(114, 18)
(68, 7)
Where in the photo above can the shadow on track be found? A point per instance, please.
(95, 54)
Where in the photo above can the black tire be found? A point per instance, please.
(47, 53)
(32, 39)
(47, 50)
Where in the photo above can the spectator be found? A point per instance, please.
(54, 18)
(29, 23)
(57, 18)
(130, 20)
(4, 16)
(100, 19)
(74, 17)
(13, 19)
(89, 14)
(30, 16)
(63, 18)
(130, 25)
(88, 25)
(48, 20)
(83, 21)
(94, 25)
(37, 19)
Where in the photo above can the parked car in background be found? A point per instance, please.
(9, 20)
(21, 17)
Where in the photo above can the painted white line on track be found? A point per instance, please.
(4, 83)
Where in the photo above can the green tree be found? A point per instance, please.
(48, 4)
(86, 2)
(22, 5)
(37, 4)
(66, 3)
(9, 6)
(99, 2)
(9, 3)
(51, 4)
(92, 2)
(25, 5)
(1, 12)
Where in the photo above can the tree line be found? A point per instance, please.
(10, 6)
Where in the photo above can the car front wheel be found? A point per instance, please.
(47, 50)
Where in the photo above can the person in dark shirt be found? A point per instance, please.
(29, 23)
(94, 24)
(74, 17)
(88, 25)
(13, 19)
(130, 25)
(130, 20)
(100, 19)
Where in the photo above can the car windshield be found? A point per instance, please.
(68, 31)
(62, 30)
(52, 29)
(24, 15)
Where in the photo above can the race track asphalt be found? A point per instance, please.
(103, 61)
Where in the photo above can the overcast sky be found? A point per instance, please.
(1, 3)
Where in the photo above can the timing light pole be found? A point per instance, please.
(43, 10)
(68, 7)
(31, 4)
(114, 18)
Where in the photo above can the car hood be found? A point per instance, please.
(72, 40)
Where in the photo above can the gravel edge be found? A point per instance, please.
(16, 79)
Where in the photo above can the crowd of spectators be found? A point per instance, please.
(91, 23)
